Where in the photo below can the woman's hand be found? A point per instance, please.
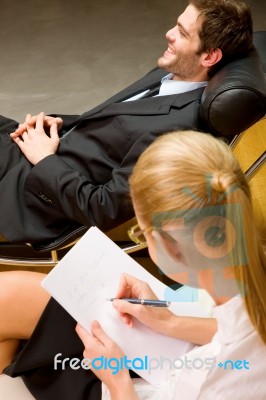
(131, 287)
(99, 344)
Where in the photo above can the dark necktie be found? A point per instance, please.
(153, 91)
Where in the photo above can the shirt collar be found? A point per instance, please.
(233, 321)
(170, 86)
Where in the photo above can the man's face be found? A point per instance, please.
(181, 56)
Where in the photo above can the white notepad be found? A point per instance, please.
(89, 274)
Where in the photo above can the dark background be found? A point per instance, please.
(66, 56)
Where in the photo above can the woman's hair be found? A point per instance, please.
(227, 25)
(195, 171)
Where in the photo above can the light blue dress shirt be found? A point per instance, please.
(169, 86)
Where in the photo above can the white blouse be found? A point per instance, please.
(234, 364)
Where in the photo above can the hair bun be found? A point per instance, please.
(218, 182)
(222, 181)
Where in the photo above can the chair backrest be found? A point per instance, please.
(260, 44)
(248, 148)
(235, 97)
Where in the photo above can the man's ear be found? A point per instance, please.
(211, 58)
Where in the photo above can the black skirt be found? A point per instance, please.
(54, 333)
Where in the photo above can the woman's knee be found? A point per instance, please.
(10, 285)
(22, 301)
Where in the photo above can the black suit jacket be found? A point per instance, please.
(86, 181)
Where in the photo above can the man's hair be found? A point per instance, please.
(227, 25)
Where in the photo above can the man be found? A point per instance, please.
(47, 184)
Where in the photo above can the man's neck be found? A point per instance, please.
(198, 78)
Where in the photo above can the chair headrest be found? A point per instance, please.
(235, 97)
(259, 41)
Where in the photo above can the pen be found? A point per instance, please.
(145, 302)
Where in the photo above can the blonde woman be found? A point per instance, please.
(193, 207)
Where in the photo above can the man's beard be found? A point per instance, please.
(183, 67)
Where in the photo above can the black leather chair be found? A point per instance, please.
(234, 100)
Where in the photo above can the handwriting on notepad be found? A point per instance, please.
(85, 288)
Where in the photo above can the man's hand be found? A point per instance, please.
(34, 142)
(99, 344)
(47, 123)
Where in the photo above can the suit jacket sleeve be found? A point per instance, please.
(78, 198)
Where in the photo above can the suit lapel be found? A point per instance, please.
(141, 85)
(149, 106)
